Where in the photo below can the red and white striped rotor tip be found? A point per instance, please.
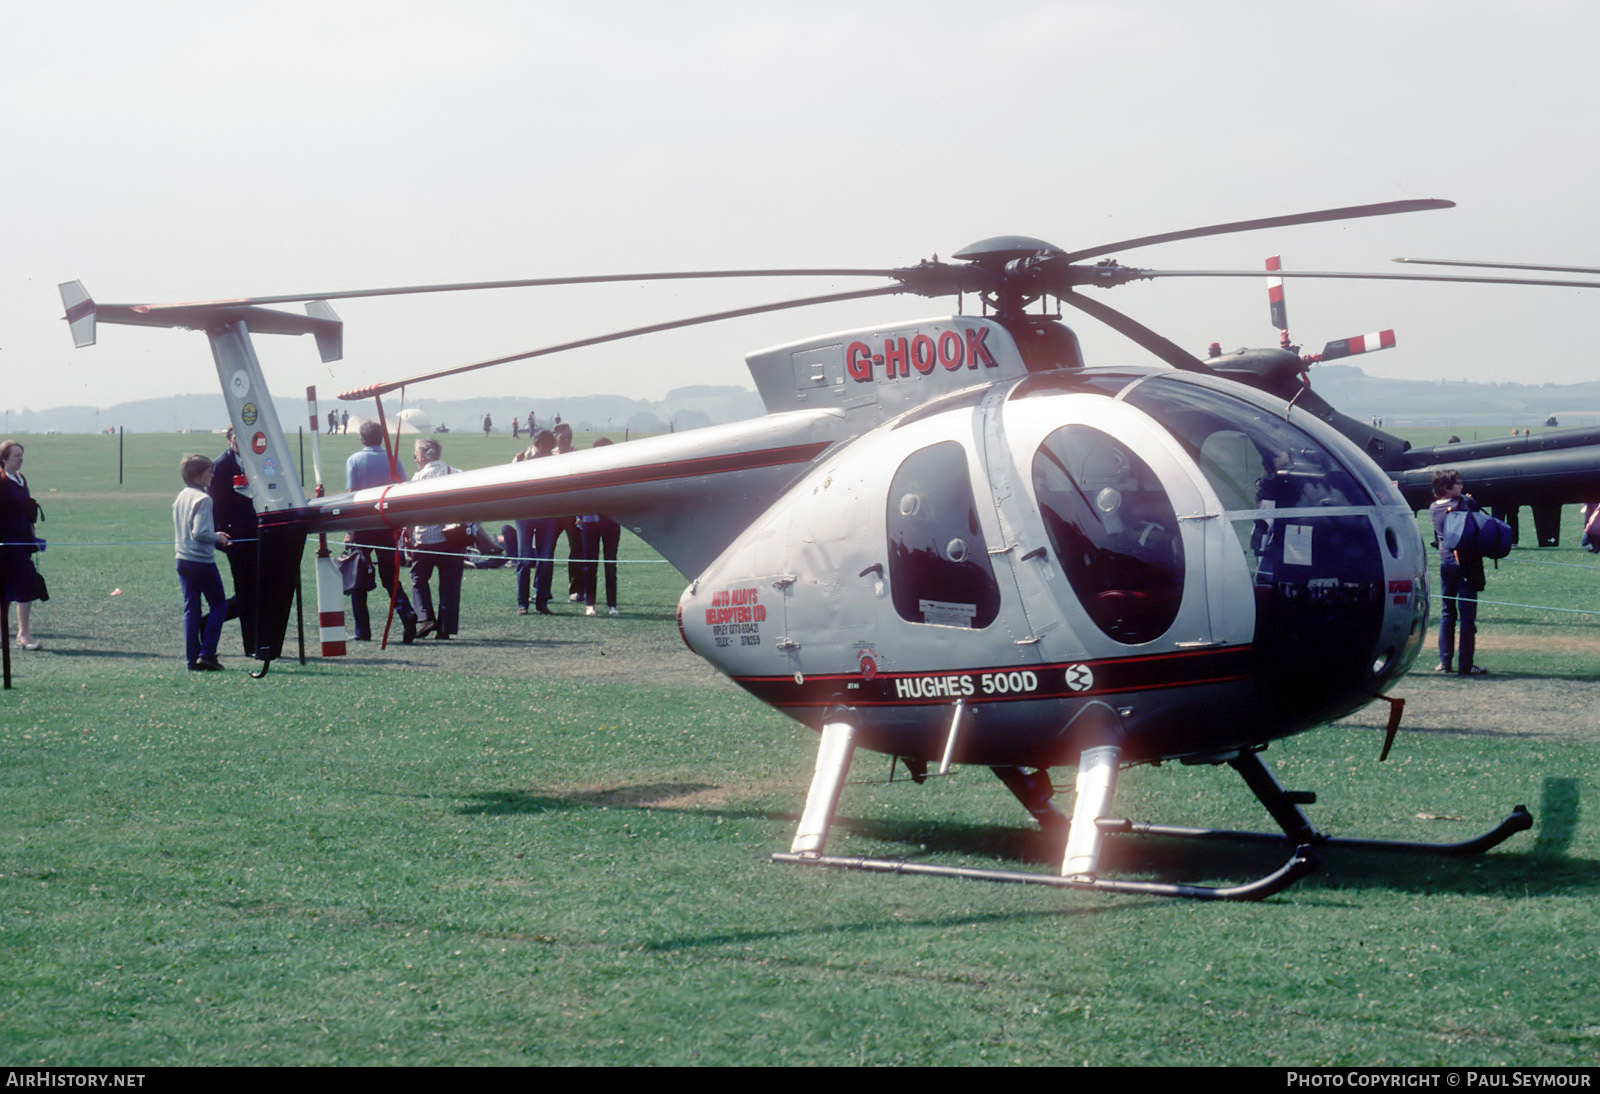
(1361, 343)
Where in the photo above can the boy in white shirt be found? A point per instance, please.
(194, 540)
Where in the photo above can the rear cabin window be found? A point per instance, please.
(1114, 531)
(939, 569)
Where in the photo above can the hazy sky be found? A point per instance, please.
(174, 151)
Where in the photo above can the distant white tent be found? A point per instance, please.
(415, 420)
(412, 420)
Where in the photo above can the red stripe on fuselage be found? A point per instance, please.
(1093, 663)
(1228, 664)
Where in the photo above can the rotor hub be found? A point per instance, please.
(996, 251)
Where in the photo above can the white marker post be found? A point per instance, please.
(330, 583)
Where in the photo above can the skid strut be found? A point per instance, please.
(1097, 785)
(1034, 791)
(833, 764)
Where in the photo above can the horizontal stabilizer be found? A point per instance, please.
(1361, 343)
(83, 314)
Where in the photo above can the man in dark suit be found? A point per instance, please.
(235, 514)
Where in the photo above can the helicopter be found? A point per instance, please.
(1544, 472)
(951, 541)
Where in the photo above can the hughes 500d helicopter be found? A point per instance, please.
(1544, 472)
(949, 540)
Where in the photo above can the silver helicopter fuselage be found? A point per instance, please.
(1196, 565)
(954, 529)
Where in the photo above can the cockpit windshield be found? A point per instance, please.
(1252, 459)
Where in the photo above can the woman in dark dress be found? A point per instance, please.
(22, 584)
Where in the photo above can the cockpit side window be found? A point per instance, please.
(939, 570)
(1251, 458)
(1232, 464)
(1114, 531)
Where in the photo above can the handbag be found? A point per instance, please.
(355, 570)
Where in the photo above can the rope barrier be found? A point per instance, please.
(1529, 607)
(1541, 562)
(513, 559)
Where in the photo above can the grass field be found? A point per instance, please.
(471, 853)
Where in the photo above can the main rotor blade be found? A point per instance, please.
(1502, 265)
(1349, 212)
(1164, 348)
(523, 283)
(617, 336)
(1128, 273)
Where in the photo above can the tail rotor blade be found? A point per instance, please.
(1361, 343)
(1275, 303)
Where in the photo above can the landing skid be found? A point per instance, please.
(1304, 862)
(1091, 823)
(1284, 805)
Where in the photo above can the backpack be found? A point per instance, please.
(1472, 533)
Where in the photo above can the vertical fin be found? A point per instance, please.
(80, 312)
(330, 337)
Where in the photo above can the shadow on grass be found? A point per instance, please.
(897, 925)
(1542, 621)
(1581, 674)
(1545, 868)
(645, 796)
(58, 652)
(1542, 870)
